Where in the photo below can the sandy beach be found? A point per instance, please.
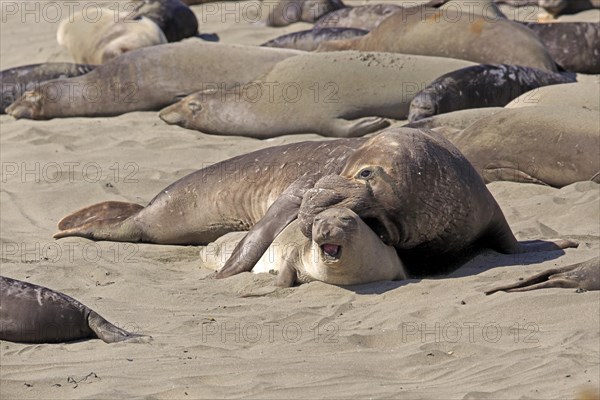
(240, 337)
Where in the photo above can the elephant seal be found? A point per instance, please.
(35, 314)
(173, 17)
(286, 12)
(109, 37)
(559, 7)
(447, 33)
(584, 275)
(351, 94)
(343, 251)
(480, 86)
(572, 95)
(504, 147)
(143, 80)
(16, 81)
(309, 40)
(455, 120)
(575, 46)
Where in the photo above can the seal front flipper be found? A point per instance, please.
(344, 128)
(585, 275)
(109, 220)
(287, 276)
(283, 211)
(509, 175)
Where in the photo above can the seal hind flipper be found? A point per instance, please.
(102, 221)
(110, 333)
(584, 275)
(344, 128)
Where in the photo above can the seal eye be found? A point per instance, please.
(366, 173)
(194, 107)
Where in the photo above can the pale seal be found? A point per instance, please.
(584, 275)
(16, 81)
(35, 314)
(480, 86)
(130, 82)
(343, 251)
(449, 33)
(349, 96)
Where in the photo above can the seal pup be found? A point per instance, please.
(16, 81)
(173, 17)
(286, 12)
(480, 86)
(352, 94)
(35, 314)
(109, 37)
(148, 79)
(504, 147)
(309, 40)
(575, 46)
(343, 251)
(584, 275)
(448, 33)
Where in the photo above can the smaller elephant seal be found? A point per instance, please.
(584, 275)
(343, 251)
(286, 12)
(560, 7)
(575, 46)
(174, 18)
(16, 81)
(478, 87)
(310, 39)
(109, 37)
(35, 314)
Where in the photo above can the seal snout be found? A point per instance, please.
(172, 116)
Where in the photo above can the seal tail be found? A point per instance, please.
(110, 220)
(110, 333)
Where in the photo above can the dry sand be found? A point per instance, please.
(430, 338)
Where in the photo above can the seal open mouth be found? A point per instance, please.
(331, 252)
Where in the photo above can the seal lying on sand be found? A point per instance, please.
(148, 79)
(16, 81)
(412, 187)
(584, 275)
(343, 251)
(309, 40)
(480, 86)
(34, 314)
(572, 95)
(575, 46)
(446, 33)
(504, 147)
(559, 7)
(285, 12)
(112, 35)
(348, 97)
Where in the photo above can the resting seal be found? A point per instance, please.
(572, 95)
(412, 187)
(349, 97)
(174, 18)
(479, 86)
(309, 40)
(584, 275)
(286, 12)
(129, 83)
(575, 46)
(34, 314)
(504, 147)
(16, 81)
(109, 37)
(448, 33)
(343, 251)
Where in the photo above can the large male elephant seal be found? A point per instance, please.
(35, 314)
(480, 86)
(412, 187)
(148, 80)
(584, 275)
(554, 146)
(286, 12)
(100, 41)
(349, 96)
(449, 33)
(16, 81)
(343, 251)
(575, 46)
(309, 40)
